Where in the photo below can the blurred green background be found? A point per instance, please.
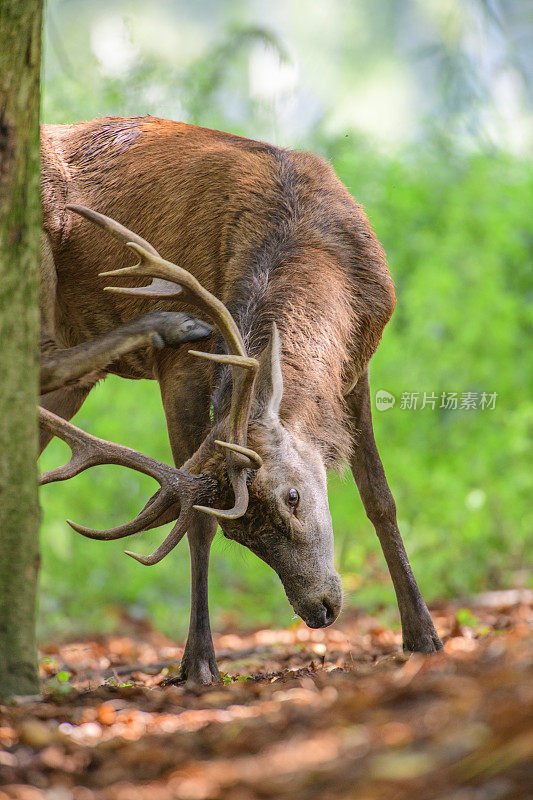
(424, 110)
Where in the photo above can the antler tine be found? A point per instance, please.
(157, 287)
(88, 451)
(177, 487)
(151, 265)
(142, 522)
(240, 489)
(174, 538)
(247, 454)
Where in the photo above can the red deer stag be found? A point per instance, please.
(257, 421)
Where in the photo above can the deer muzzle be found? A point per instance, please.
(318, 602)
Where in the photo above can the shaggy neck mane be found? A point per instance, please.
(283, 269)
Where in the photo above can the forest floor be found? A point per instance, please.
(326, 714)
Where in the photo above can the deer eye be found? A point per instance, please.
(293, 498)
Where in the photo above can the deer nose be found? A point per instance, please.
(321, 607)
(321, 615)
(329, 613)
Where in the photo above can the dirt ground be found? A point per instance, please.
(330, 714)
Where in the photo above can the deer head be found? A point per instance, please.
(280, 508)
(287, 522)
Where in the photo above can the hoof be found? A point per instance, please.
(425, 640)
(199, 669)
(418, 630)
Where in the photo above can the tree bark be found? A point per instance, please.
(20, 223)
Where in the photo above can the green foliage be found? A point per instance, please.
(457, 231)
(466, 618)
(212, 86)
(59, 685)
(115, 683)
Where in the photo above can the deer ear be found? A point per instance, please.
(268, 388)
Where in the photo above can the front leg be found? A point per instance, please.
(198, 664)
(186, 402)
(418, 631)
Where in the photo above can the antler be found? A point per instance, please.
(169, 280)
(177, 486)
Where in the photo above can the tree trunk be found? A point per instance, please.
(20, 222)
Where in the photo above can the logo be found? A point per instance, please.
(384, 400)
